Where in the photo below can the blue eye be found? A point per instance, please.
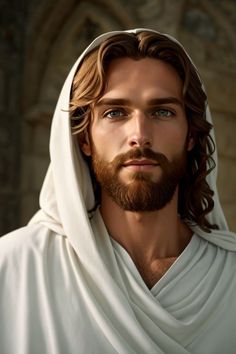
(114, 113)
(163, 113)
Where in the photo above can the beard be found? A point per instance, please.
(143, 192)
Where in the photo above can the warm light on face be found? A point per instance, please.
(141, 110)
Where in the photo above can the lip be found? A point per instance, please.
(140, 165)
(140, 162)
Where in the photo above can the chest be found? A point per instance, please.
(152, 274)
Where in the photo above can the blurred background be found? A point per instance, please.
(40, 40)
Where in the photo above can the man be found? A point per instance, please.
(130, 252)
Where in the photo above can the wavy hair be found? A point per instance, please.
(195, 194)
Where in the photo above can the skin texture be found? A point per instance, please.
(127, 118)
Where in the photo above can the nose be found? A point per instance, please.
(140, 134)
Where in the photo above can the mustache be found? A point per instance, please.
(139, 153)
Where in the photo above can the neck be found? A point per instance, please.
(146, 235)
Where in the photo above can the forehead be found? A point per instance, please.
(130, 74)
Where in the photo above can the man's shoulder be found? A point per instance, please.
(25, 240)
(217, 240)
(219, 250)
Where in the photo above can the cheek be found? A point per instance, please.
(102, 145)
(171, 140)
(180, 135)
(108, 141)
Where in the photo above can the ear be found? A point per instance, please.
(84, 143)
(190, 142)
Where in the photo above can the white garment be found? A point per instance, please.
(66, 287)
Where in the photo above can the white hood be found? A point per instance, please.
(67, 191)
(127, 313)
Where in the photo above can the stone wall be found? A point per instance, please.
(57, 31)
(11, 70)
(208, 32)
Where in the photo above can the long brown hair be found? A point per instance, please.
(195, 195)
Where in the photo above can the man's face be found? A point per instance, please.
(138, 134)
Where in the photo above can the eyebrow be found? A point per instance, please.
(126, 102)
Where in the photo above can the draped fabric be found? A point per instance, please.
(67, 287)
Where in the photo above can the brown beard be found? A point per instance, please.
(142, 193)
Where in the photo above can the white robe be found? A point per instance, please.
(67, 287)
